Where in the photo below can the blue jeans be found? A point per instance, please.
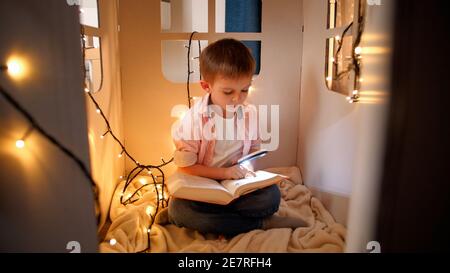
(242, 215)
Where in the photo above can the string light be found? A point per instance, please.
(20, 144)
(143, 181)
(139, 168)
(34, 125)
(15, 68)
(112, 241)
(355, 64)
(149, 210)
(103, 136)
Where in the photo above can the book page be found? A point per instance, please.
(198, 188)
(246, 185)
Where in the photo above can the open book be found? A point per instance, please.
(185, 186)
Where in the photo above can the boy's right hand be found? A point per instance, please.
(237, 172)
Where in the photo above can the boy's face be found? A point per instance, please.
(226, 91)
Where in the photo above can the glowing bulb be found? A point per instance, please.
(361, 80)
(15, 68)
(102, 137)
(143, 181)
(98, 111)
(161, 197)
(358, 50)
(112, 241)
(329, 78)
(20, 144)
(148, 230)
(338, 38)
(86, 90)
(150, 172)
(351, 101)
(120, 155)
(348, 98)
(355, 92)
(149, 210)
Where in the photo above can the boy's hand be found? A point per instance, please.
(238, 172)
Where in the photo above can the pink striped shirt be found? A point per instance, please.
(194, 146)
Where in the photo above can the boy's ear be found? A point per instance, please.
(205, 85)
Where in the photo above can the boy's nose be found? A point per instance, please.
(236, 97)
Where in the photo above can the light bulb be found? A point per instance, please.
(358, 50)
(348, 98)
(150, 172)
(20, 144)
(149, 210)
(120, 155)
(15, 68)
(102, 137)
(148, 230)
(112, 241)
(86, 90)
(98, 111)
(361, 80)
(338, 38)
(143, 181)
(355, 92)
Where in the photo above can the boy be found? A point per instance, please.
(227, 67)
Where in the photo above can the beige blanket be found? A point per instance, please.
(129, 227)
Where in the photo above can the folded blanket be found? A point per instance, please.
(129, 227)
